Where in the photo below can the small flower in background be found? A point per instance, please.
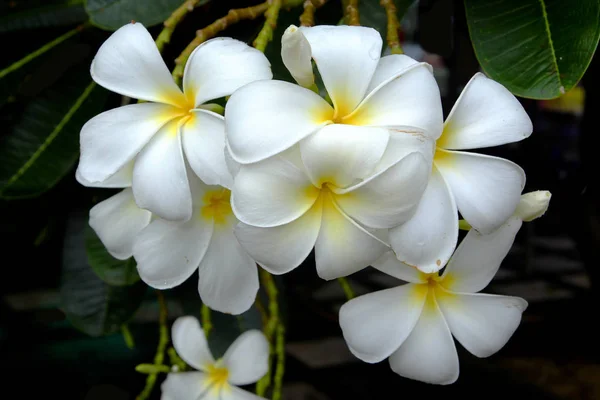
(244, 362)
(413, 324)
(158, 133)
(484, 189)
(169, 252)
(117, 220)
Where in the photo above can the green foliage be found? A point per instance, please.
(113, 14)
(41, 14)
(109, 269)
(92, 305)
(536, 48)
(372, 14)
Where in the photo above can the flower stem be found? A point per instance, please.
(163, 340)
(463, 225)
(351, 13)
(266, 33)
(206, 322)
(347, 288)
(152, 369)
(393, 26)
(210, 31)
(164, 37)
(308, 15)
(48, 46)
(269, 284)
(280, 368)
(175, 359)
(127, 336)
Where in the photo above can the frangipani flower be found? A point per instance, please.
(117, 220)
(484, 189)
(168, 252)
(244, 362)
(158, 133)
(413, 324)
(314, 175)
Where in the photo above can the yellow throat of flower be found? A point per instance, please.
(217, 376)
(216, 205)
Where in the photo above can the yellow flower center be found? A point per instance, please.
(217, 376)
(216, 206)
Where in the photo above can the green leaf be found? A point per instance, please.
(92, 305)
(113, 14)
(109, 269)
(536, 48)
(44, 144)
(43, 15)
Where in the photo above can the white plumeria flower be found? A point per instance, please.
(314, 175)
(486, 190)
(244, 362)
(117, 220)
(533, 205)
(169, 252)
(413, 324)
(173, 123)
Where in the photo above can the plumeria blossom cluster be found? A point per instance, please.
(355, 162)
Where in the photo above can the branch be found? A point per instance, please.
(210, 31)
(206, 322)
(351, 13)
(308, 16)
(393, 26)
(269, 284)
(266, 33)
(280, 368)
(164, 37)
(347, 288)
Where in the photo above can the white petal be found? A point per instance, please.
(343, 247)
(167, 253)
(429, 237)
(296, 55)
(428, 354)
(412, 99)
(185, 385)
(213, 69)
(120, 179)
(486, 189)
(282, 248)
(117, 220)
(160, 181)
(129, 63)
(478, 257)
(533, 205)
(343, 155)
(482, 323)
(235, 393)
(389, 264)
(203, 138)
(228, 277)
(271, 193)
(190, 343)
(375, 325)
(388, 68)
(346, 57)
(391, 197)
(267, 117)
(404, 141)
(112, 139)
(247, 359)
(486, 114)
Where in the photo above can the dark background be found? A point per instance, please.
(553, 264)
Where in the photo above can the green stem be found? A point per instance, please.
(42, 50)
(127, 336)
(347, 288)
(280, 368)
(164, 37)
(463, 225)
(152, 369)
(176, 360)
(269, 284)
(351, 12)
(206, 322)
(163, 340)
(393, 26)
(266, 33)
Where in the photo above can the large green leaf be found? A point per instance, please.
(37, 14)
(109, 269)
(536, 48)
(92, 305)
(113, 14)
(44, 144)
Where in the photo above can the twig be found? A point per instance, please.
(127, 336)
(206, 322)
(48, 46)
(164, 37)
(210, 31)
(347, 288)
(266, 33)
(308, 15)
(269, 284)
(393, 26)
(351, 13)
(280, 368)
(163, 340)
